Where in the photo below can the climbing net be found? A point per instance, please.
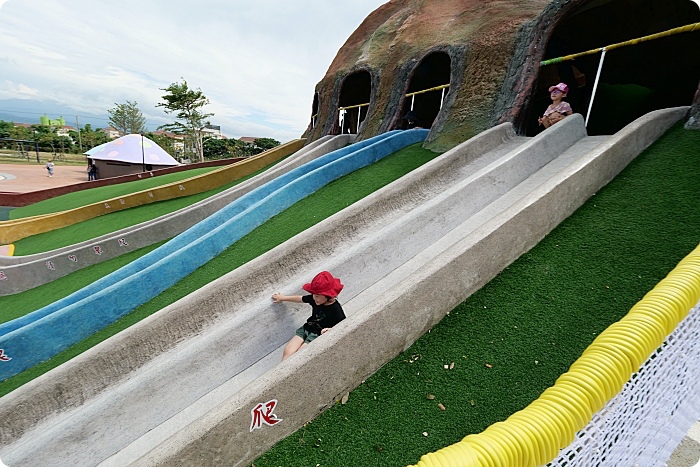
(648, 419)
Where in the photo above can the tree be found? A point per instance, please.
(186, 103)
(216, 148)
(265, 143)
(127, 119)
(90, 137)
(166, 143)
(5, 128)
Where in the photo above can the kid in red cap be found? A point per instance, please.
(326, 312)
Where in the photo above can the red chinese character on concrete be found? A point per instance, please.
(3, 277)
(3, 357)
(97, 250)
(262, 413)
(122, 242)
(50, 266)
(73, 258)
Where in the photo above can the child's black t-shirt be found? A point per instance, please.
(322, 316)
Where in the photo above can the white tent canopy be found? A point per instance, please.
(134, 149)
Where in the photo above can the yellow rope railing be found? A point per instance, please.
(658, 35)
(436, 88)
(353, 106)
(534, 435)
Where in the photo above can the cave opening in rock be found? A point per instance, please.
(353, 104)
(427, 89)
(314, 111)
(635, 79)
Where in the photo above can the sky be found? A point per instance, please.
(257, 62)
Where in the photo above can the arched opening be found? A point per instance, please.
(427, 89)
(635, 79)
(314, 112)
(354, 100)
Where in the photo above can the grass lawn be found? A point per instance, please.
(112, 222)
(95, 195)
(529, 323)
(328, 200)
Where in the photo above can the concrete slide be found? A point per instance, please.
(199, 382)
(26, 272)
(40, 335)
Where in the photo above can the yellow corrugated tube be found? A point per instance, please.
(534, 436)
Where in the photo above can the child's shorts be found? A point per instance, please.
(306, 335)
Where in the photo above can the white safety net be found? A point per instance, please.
(648, 419)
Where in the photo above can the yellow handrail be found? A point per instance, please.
(352, 106)
(436, 88)
(670, 32)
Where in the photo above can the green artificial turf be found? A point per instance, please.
(95, 195)
(530, 323)
(327, 201)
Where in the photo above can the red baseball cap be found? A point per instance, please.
(324, 284)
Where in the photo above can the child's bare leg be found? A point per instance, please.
(294, 344)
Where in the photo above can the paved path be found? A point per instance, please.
(23, 178)
(688, 452)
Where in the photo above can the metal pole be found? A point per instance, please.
(143, 156)
(80, 140)
(595, 85)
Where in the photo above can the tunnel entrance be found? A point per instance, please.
(635, 79)
(314, 112)
(427, 89)
(353, 104)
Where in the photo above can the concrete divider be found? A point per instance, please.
(194, 342)
(26, 272)
(45, 332)
(13, 230)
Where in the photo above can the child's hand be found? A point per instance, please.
(323, 331)
(555, 117)
(276, 297)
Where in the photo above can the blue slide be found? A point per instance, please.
(40, 335)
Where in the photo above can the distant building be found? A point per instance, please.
(248, 139)
(111, 133)
(63, 131)
(46, 121)
(213, 131)
(178, 140)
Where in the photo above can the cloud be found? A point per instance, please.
(10, 90)
(257, 62)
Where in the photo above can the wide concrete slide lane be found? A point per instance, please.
(26, 272)
(42, 334)
(182, 391)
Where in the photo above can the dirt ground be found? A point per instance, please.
(15, 178)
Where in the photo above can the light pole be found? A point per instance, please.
(143, 156)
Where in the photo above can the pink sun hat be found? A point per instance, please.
(561, 86)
